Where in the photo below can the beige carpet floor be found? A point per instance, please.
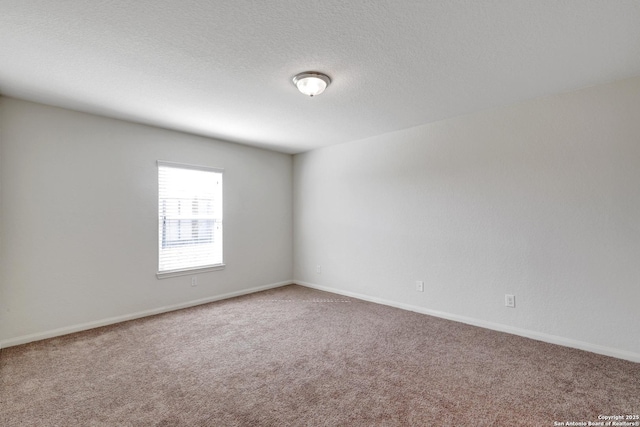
(293, 356)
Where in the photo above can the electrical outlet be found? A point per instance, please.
(419, 286)
(194, 281)
(319, 269)
(510, 300)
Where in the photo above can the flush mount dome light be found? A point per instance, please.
(311, 83)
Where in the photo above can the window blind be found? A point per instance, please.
(189, 217)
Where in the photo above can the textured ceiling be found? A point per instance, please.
(224, 68)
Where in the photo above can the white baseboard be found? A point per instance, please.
(111, 320)
(539, 336)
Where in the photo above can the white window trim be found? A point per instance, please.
(190, 166)
(189, 271)
(195, 270)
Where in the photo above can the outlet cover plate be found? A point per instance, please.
(509, 300)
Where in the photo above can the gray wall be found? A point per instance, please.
(78, 224)
(540, 200)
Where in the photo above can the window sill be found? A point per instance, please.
(189, 271)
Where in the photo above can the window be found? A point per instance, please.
(189, 219)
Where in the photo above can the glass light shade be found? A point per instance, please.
(311, 84)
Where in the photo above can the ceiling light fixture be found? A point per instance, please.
(311, 83)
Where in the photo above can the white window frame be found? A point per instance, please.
(161, 274)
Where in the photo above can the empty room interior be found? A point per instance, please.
(326, 213)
